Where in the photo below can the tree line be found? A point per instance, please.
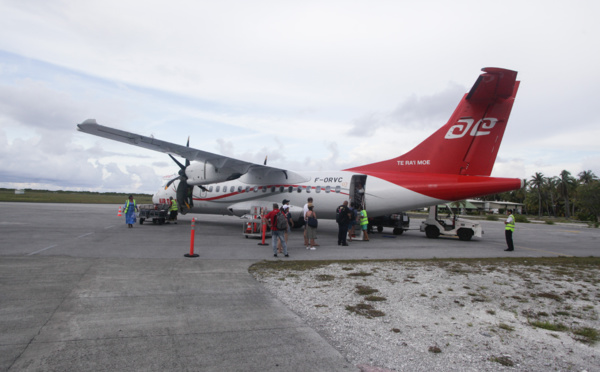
(558, 196)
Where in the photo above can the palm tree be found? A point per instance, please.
(537, 181)
(551, 186)
(566, 183)
(587, 177)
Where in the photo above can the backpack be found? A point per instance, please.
(281, 221)
(337, 214)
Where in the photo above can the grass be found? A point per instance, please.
(365, 310)
(364, 290)
(83, 197)
(557, 327)
(504, 360)
(586, 335)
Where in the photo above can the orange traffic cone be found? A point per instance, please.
(119, 214)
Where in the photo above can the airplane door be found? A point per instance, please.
(358, 190)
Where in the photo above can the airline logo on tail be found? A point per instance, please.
(459, 130)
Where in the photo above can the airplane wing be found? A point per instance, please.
(236, 168)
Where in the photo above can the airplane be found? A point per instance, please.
(454, 163)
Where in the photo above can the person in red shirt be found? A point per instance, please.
(271, 218)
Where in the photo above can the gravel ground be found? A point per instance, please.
(449, 315)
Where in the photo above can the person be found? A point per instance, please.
(509, 229)
(343, 219)
(352, 223)
(285, 208)
(308, 201)
(311, 232)
(360, 195)
(129, 211)
(364, 223)
(173, 210)
(276, 234)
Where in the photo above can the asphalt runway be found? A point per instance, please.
(81, 291)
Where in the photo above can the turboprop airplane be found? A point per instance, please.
(454, 163)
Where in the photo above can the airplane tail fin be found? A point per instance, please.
(468, 144)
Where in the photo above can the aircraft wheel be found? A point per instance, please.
(465, 234)
(398, 231)
(379, 229)
(432, 232)
(161, 221)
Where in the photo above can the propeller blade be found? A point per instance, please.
(171, 181)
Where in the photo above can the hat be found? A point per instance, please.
(285, 201)
(286, 206)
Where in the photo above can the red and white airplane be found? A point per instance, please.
(454, 163)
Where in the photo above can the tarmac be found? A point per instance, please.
(81, 291)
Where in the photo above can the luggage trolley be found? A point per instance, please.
(158, 213)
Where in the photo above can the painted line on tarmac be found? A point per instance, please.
(571, 231)
(41, 250)
(54, 245)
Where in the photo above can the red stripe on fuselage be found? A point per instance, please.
(449, 186)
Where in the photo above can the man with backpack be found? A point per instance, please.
(342, 217)
(278, 223)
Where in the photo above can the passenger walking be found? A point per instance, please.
(286, 210)
(364, 223)
(342, 217)
(509, 229)
(308, 201)
(311, 227)
(352, 223)
(129, 211)
(277, 231)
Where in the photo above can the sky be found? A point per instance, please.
(313, 85)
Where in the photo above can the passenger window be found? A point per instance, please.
(299, 189)
(338, 189)
(291, 188)
(210, 189)
(264, 188)
(280, 188)
(239, 188)
(318, 190)
(272, 188)
(328, 189)
(232, 189)
(255, 188)
(247, 188)
(307, 188)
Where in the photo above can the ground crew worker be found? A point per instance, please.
(173, 209)
(129, 211)
(364, 223)
(509, 229)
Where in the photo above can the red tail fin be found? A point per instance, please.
(469, 142)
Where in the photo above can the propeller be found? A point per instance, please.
(184, 193)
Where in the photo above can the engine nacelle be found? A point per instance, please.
(205, 173)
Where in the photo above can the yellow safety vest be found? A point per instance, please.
(511, 226)
(127, 205)
(363, 219)
(173, 206)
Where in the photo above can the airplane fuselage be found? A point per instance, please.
(331, 189)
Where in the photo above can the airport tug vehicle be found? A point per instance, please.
(451, 225)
